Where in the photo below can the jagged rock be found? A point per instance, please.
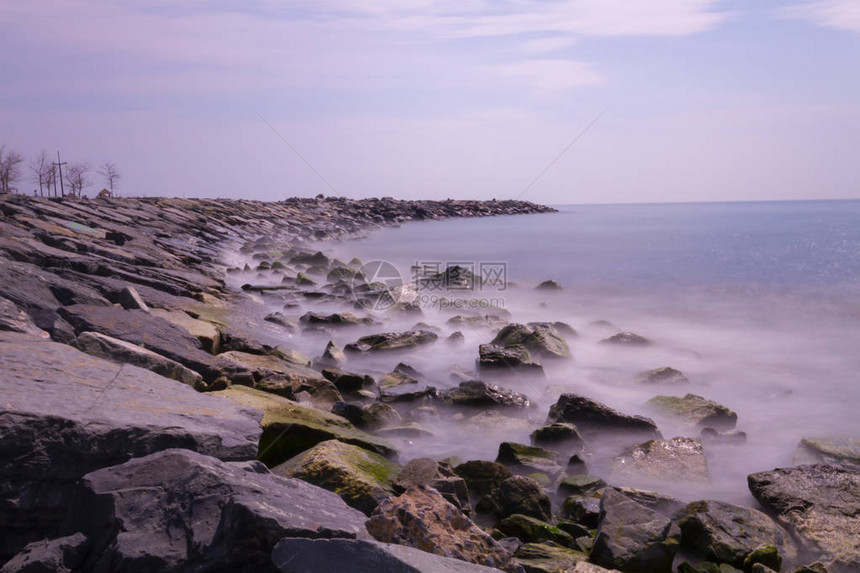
(548, 557)
(632, 537)
(819, 505)
(421, 518)
(438, 475)
(289, 428)
(333, 355)
(482, 477)
(694, 411)
(360, 477)
(336, 319)
(542, 339)
(13, 319)
(182, 511)
(392, 341)
(726, 533)
(549, 285)
(492, 357)
(678, 459)
(537, 463)
(563, 328)
(584, 510)
(131, 300)
(517, 494)
(62, 555)
(480, 394)
(529, 529)
(581, 485)
(456, 338)
(348, 381)
(281, 320)
(314, 259)
(763, 559)
(122, 352)
(626, 339)
(298, 555)
(559, 434)
(592, 417)
(396, 378)
(664, 376)
(318, 391)
(206, 332)
(842, 451)
(66, 413)
(263, 366)
(710, 435)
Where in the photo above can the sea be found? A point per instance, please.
(757, 303)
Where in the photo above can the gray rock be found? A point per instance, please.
(63, 555)
(337, 319)
(592, 417)
(664, 376)
(479, 394)
(66, 413)
(542, 339)
(841, 451)
(654, 461)
(632, 537)
(819, 505)
(438, 475)
(626, 339)
(517, 494)
(510, 358)
(693, 411)
(482, 477)
(185, 512)
(392, 341)
(530, 461)
(549, 285)
(297, 555)
(131, 300)
(13, 319)
(122, 352)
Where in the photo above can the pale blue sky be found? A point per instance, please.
(705, 99)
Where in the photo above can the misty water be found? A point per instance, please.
(757, 303)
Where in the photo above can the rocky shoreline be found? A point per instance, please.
(155, 419)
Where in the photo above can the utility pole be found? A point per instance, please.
(54, 177)
(60, 165)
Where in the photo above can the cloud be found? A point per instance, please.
(548, 45)
(550, 77)
(840, 14)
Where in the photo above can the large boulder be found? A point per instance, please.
(549, 557)
(819, 505)
(541, 339)
(502, 359)
(360, 477)
(421, 518)
(303, 555)
(438, 475)
(290, 428)
(538, 463)
(66, 413)
(591, 417)
(476, 393)
(181, 511)
(392, 341)
(13, 319)
(655, 461)
(632, 537)
(482, 477)
(529, 529)
(693, 411)
(336, 319)
(724, 533)
(517, 494)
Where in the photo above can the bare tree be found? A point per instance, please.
(111, 175)
(10, 169)
(78, 178)
(41, 169)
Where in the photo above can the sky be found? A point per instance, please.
(563, 101)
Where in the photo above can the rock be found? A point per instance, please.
(396, 378)
(694, 411)
(298, 555)
(549, 285)
(542, 339)
(819, 505)
(62, 555)
(456, 338)
(204, 331)
(333, 355)
(130, 300)
(842, 451)
(584, 510)
(537, 463)
(421, 518)
(408, 430)
(529, 529)
(626, 339)
(763, 559)
(632, 537)
(665, 375)
(122, 352)
(66, 413)
(580, 485)
(726, 533)
(438, 475)
(263, 366)
(591, 417)
(518, 358)
(336, 319)
(710, 435)
(13, 319)
(479, 394)
(517, 494)
(558, 434)
(815, 567)
(182, 511)
(347, 381)
(482, 477)
(360, 477)
(548, 557)
(496, 422)
(143, 329)
(392, 341)
(319, 392)
(675, 460)
(281, 320)
(289, 428)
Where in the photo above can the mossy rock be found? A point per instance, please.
(548, 557)
(289, 428)
(694, 411)
(580, 484)
(362, 478)
(767, 555)
(529, 529)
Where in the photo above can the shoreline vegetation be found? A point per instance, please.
(155, 419)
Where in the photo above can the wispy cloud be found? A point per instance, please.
(840, 14)
(551, 77)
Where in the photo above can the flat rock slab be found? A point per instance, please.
(820, 505)
(185, 512)
(297, 555)
(656, 461)
(66, 413)
(843, 451)
(591, 417)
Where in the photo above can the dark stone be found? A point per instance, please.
(492, 357)
(479, 394)
(542, 339)
(482, 477)
(517, 494)
(626, 339)
(549, 285)
(592, 417)
(438, 475)
(392, 341)
(665, 375)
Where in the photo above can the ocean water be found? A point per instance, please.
(757, 303)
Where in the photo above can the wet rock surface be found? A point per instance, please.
(592, 417)
(655, 461)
